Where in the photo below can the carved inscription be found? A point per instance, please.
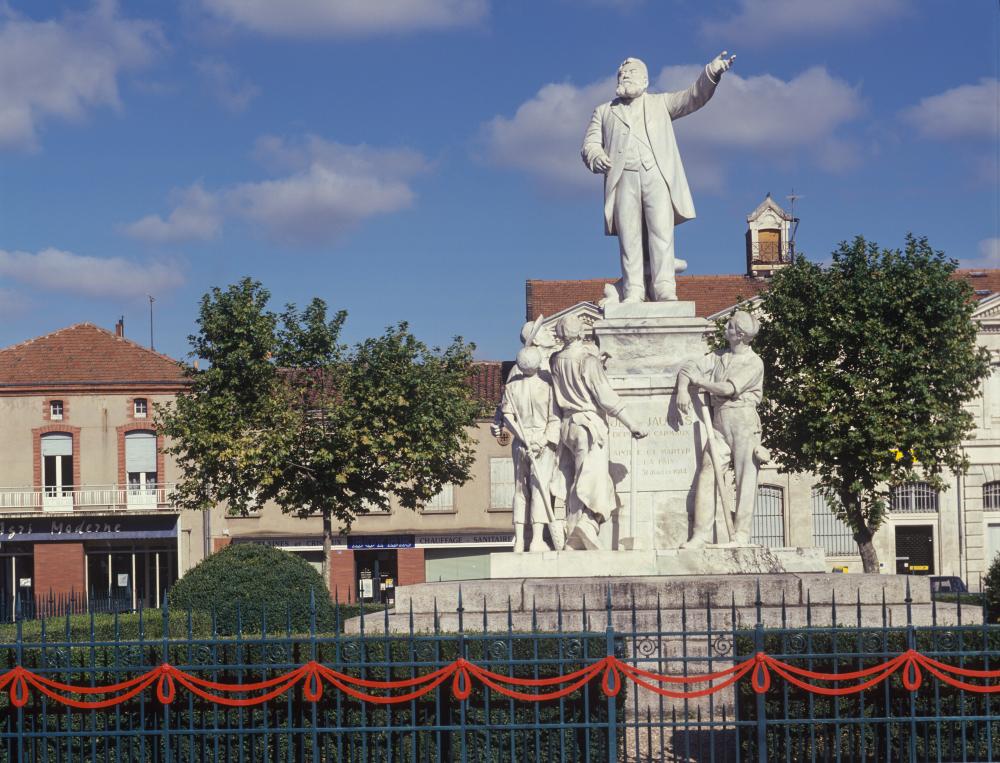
(665, 460)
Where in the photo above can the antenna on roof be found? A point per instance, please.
(792, 198)
(152, 299)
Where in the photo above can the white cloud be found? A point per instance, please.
(760, 22)
(346, 18)
(225, 84)
(196, 217)
(543, 137)
(57, 270)
(753, 116)
(60, 69)
(323, 189)
(989, 255)
(967, 111)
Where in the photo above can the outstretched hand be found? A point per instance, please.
(720, 65)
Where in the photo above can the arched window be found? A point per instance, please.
(768, 527)
(57, 463)
(140, 459)
(57, 471)
(991, 495)
(913, 498)
(830, 533)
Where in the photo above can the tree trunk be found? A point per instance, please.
(327, 545)
(863, 534)
(869, 557)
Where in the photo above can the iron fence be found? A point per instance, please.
(28, 606)
(325, 696)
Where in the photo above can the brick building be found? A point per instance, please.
(84, 483)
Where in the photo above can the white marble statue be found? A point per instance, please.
(585, 399)
(631, 142)
(528, 410)
(734, 379)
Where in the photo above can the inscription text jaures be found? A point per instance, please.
(665, 460)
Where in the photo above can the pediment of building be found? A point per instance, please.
(987, 314)
(587, 312)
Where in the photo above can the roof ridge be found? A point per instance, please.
(49, 335)
(132, 343)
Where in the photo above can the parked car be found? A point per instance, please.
(947, 584)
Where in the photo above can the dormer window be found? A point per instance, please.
(140, 407)
(56, 410)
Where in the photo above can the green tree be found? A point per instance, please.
(870, 362)
(284, 412)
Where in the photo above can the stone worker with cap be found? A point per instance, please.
(586, 399)
(631, 142)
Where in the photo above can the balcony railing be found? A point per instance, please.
(85, 498)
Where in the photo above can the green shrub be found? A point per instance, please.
(110, 628)
(991, 591)
(246, 583)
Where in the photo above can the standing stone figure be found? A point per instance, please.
(631, 142)
(734, 378)
(586, 399)
(528, 410)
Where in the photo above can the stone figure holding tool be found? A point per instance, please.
(528, 411)
(734, 379)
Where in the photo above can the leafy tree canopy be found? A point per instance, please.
(870, 362)
(285, 412)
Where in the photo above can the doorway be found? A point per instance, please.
(376, 575)
(914, 550)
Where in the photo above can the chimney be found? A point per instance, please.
(120, 327)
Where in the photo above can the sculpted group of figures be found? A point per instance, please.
(557, 402)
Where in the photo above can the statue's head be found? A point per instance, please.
(529, 360)
(570, 329)
(540, 338)
(742, 327)
(633, 78)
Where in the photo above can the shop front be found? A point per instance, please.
(130, 559)
(369, 567)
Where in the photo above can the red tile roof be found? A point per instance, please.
(710, 293)
(88, 357)
(487, 381)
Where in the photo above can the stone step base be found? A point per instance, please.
(710, 560)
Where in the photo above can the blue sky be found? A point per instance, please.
(418, 159)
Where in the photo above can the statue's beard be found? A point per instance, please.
(630, 90)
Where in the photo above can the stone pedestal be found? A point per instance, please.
(711, 560)
(647, 343)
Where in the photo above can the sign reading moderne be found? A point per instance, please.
(87, 528)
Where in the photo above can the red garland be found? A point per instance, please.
(462, 673)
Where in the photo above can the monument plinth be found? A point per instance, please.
(741, 560)
(646, 345)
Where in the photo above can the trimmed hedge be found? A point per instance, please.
(108, 628)
(249, 585)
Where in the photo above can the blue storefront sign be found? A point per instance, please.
(380, 541)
